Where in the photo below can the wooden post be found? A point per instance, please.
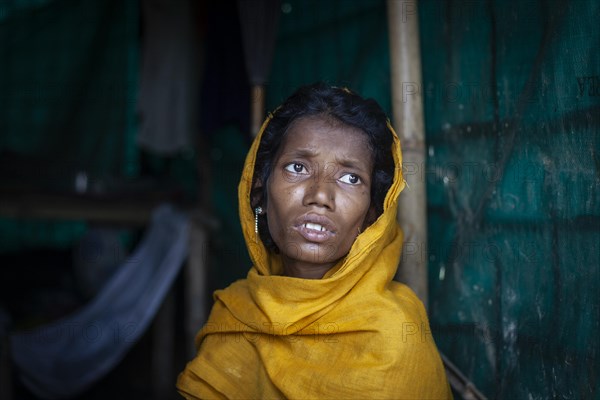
(257, 111)
(195, 282)
(407, 103)
(6, 385)
(163, 345)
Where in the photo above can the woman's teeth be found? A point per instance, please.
(316, 227)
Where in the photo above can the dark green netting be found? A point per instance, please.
(68, 81)
(512, 116)
(340, 42)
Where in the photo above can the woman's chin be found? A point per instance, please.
(317, 254)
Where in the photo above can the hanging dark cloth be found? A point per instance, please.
(259, 20)
(169, 75)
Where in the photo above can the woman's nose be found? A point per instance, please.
(320, 191)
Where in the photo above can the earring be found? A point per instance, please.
(257, 212)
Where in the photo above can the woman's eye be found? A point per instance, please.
(295, 168)
(351, 179)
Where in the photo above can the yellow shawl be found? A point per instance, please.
(353, 334)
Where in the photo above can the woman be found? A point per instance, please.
(318, 315)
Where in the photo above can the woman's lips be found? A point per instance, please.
(315, 228)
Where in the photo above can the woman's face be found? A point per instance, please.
(319, 194)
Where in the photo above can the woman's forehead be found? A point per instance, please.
(326, 137)
(320, 128)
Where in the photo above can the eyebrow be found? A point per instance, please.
(307, 152)
(352, 163)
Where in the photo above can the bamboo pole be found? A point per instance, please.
(407, 103)
(257, 110)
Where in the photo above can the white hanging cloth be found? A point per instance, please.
(62, 359)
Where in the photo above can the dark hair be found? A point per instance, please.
(342, 105)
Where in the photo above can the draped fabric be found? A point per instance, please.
(353, 334)
(62, 359)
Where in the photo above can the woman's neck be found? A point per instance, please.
(305, 270)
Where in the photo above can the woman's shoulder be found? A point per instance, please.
(408, 301)
(406, 321)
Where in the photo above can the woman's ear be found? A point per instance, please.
(370, 218)
(256, 194)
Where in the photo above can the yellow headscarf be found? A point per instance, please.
(354, 333)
